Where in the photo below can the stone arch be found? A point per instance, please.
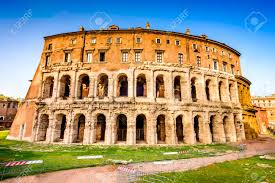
(197, 121)
(141, 86)
(121, 126)
(83, 86)
(100, 127)
(226, 127)
(141, 128)
(60, 127)
(48, 87)
(65, 86)
(42, 127)
(193, 90)
(123, 85)
(102, 86)
(207, 89)
(179, 129)
(78, 128)
(177, 87)
(161, 131)
(160, 88)
(222, 92)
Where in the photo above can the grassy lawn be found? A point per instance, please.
(60, 157)
(239, 171)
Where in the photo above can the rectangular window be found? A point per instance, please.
(222, 53)
(224, 64)
(177, 42)
(180, 58)
(229, 55)
(124, 56)
(158, 41)
(89, 57)
(102, 56)
(195, 47)
(198, 61)
(138, 56)
(159, 57)
(47, 60)
(215, 65)
(232, 69)
(138, 40)
(93, 40)
(67, 57)
(214, 50)
(118, 40)
(109, 40)
(50, 47)
(2, 118)
(207, 49)
(167, 41)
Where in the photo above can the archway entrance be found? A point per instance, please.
(177, 88)
(63, 127)
(121, 127)
(196, 128)
(123, 86)
(160, 89)
(140, 128)
(100, 127)
(179, 129)
(161, 136)
(42, 127)
(84, 85)
(141, 86)
(211, 128)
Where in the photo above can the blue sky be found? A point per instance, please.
(224, 21)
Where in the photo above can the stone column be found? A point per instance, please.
(56, 87)
(187, 90)
(233, 137)
(188, 128)
(220, 129)
(202, 90)
(92, 86)
(69, 131)
(131, 130)
(152, 129)
(131, 84)
(50, 129)
(207, 139)
(215, 94)
(87, 130)
(151, 93)
(108, 131)
(169, 86)
(236, 93)
(73, 85)
(114, 128)
(111, 88)
(171, 129)
(227, 92)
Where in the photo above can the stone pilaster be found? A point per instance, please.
(188, 128)
(131, 130)
(108, 131)
(56, 88)
(73, 85)
(92, 86)
(220, 129)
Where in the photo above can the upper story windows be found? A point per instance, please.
(177, 42)
(109, 40)
(198, 61)
(67, 57)
(159, 56)
(207, 49)
(2, 118)
(138, 56)
(195, 47)
(158, 41)
(102, 56)
(215, 64)
(118, 40)
(214, 50)
(50, 46)
(180, 58)
(47, 60)
(93, 40)
(73, 41)
(232, 69)
(138, 40)
(222, 53)
(89, 57)
(124, 56)
(224, 65)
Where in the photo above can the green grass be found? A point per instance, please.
(239, 171)
(61, 157)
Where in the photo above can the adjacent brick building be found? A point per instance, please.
(8, 109)
(133, 86)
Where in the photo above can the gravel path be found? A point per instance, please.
(111, 174)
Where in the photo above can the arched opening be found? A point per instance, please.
(160, 86)
(123, 86)
(79, 127)
(84, 86)
(141, 128)
(100, 127)
(196, 128)
(121, 127)
(141, 86)
(193, 90)
(179, 129)
(102, 86)
(65, 85)
(177, 88)
(211, 128)
(42, 127)
(161, 135)
(226, 127)
(63, 127)
(207, 89)
(48, 87)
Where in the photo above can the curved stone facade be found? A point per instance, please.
(136, 86)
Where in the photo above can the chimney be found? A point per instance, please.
(147, 25)
(81, 28)
(187, 31)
